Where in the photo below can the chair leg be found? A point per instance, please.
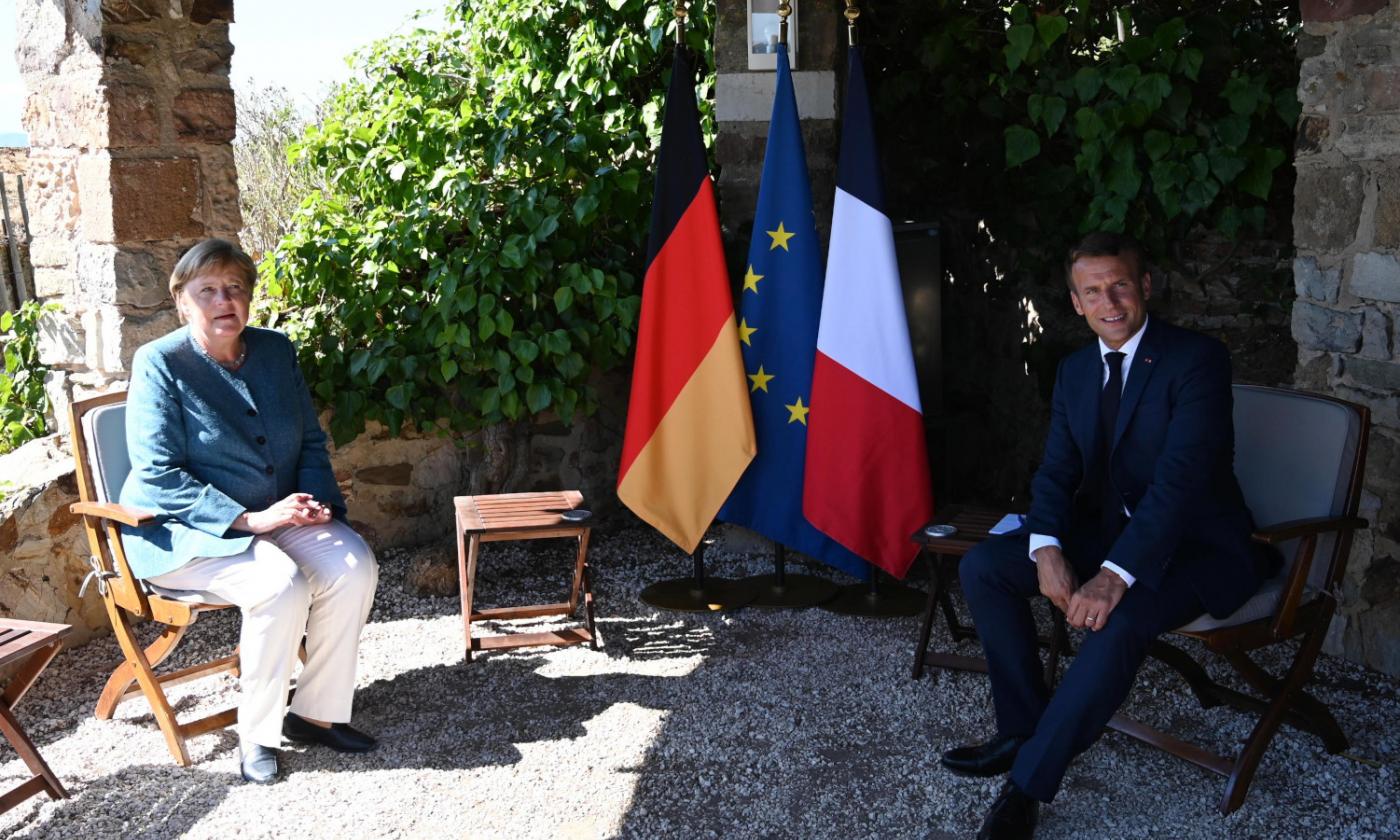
(1304, 711)
(1190, 670)
(150, 686)
(926, 628)
(125, 674)
(1287, 689)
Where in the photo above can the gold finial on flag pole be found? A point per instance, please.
(852, 14)
(681, 14)
(784, 11)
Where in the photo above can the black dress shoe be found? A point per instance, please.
(1013, 816)
(341, 737)
(990, 759)
(257, 763)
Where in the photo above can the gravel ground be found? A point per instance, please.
(756, 723)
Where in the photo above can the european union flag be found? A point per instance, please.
(779, 310)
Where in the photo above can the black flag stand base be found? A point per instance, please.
(781, 589)
(698, 593)
(874, 599)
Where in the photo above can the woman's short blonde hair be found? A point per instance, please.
(209, 254)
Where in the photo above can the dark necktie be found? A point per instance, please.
(1111, 508)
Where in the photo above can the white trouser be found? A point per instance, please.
(316, 579)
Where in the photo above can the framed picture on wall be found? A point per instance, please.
(763, 35)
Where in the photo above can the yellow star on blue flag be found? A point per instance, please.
(778, 331)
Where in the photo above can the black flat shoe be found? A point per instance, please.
(341, 737)
(258, 764)
(990, 759)
(1013, 816)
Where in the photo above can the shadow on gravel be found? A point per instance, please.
(146, 800)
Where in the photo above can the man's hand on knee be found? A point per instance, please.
(1056, 578)
(1091, 605)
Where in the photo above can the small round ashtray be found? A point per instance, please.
(575, 515)
(940, 531)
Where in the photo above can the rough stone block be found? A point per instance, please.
(66, 112)
(1387, 218)
(201, 62)
(1368, 137)
(1327, 207)
(1313, 282)
(43, 36)
(396, 475)
(1382, 376)
(53, 281)
(1327, 11)
(1320, 328)
(1375, 334)
(152, 199)
(205, 116)
(1382, 89)
(1375, 277)
(125, 330)
(60, 340)
(132, 116)
(222, 214)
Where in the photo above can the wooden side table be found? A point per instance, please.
(33, 644)
(974, 525)
(523, 516)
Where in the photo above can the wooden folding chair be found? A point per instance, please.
(29, 646)
(99, 448)
(1300, 459)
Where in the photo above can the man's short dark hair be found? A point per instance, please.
(1104, 243)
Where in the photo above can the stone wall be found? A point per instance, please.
(399, 492)
(1347, 277)
(130, 117)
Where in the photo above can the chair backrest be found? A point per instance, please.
(105, 430)
(1299, 456)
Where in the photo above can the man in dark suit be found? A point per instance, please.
(1137, 526)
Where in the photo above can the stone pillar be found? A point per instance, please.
(130, 118)
(744, 105)
(1346, 224)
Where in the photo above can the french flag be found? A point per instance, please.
(867, 479)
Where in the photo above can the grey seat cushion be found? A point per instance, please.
(1294, 454)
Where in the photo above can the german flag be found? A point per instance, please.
(689, 427)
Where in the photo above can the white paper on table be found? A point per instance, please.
(1007, 524)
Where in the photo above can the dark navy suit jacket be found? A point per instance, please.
(1171, 465)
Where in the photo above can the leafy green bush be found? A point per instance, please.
(1073, 116)
(23, 402)
(472, 258)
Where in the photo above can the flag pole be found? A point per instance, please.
(781, 589)
(871, 599)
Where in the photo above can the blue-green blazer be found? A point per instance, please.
(207, 444)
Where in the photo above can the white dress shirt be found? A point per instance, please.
(1129, 349)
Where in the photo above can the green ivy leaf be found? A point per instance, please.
(397, 395)
(448, 370)
(1087, 82)
(563, 298)
(1051, 27)
(1053, 114)
(1157, 143)
(1022, 144)
(538, 398)
(1018, 44)
(1122, 79)
(1232, 129)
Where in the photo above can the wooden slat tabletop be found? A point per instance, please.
(19, 638)
(973, 524)
(515, 511)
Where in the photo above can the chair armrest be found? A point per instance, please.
(1284, 531)
(1306, 530)
(113, 511)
